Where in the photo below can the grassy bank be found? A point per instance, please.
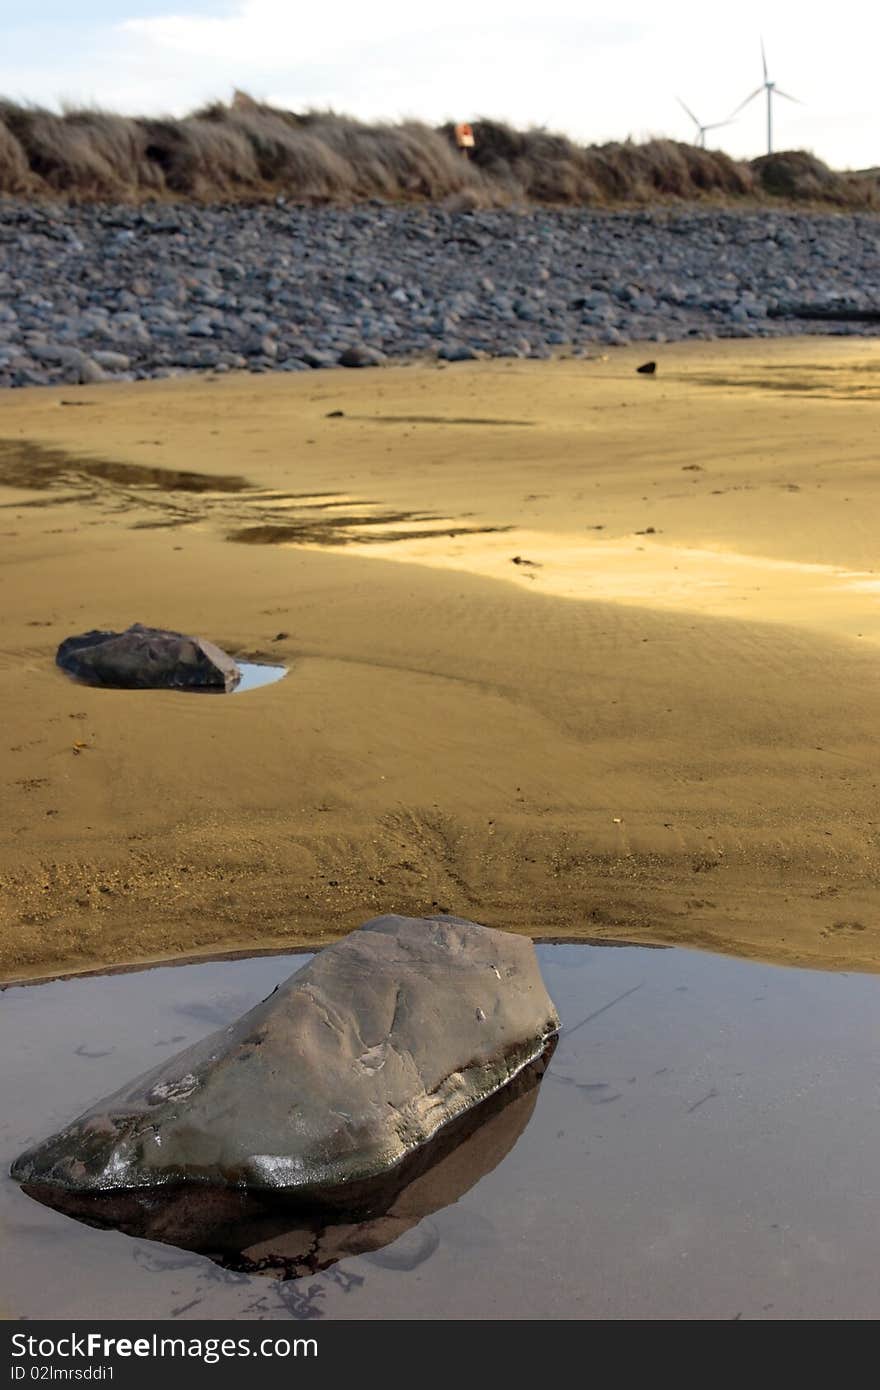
(247, 150)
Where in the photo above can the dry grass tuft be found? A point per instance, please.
(408, 160)
(84, 154)
(289, 158)
(801, 177)
(249, 150)
(15, 172)
(195, 158)
(551, 168)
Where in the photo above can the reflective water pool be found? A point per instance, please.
(256, 673)
(704, 1144)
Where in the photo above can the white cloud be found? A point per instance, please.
(279, 33)
(587, 68)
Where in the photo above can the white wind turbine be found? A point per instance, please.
(701, 128)
(772, 90)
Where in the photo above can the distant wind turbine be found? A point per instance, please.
(701, 128)
(772, 90)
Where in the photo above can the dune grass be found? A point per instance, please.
(246, 150)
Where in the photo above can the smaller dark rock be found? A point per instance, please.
(647, 368)
(334, 415)
(361, 357)
(144, 658)
(457, 352)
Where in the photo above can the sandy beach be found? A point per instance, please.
(572, 651)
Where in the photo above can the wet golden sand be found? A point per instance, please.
(573, 651)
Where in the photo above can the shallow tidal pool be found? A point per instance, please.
(705, 1144)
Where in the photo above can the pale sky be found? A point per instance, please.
(592, 69)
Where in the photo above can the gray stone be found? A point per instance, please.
(317, 358)
(85, 372)
(457, 352)
(208, 355)
(142, 658)
(112, 361)
(243, 280)
(361, 357)
(348, 1067)
(61, 353)
(271, 1233)
(75, 366)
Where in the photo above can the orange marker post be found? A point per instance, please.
(464, 139)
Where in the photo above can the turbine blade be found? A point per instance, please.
(686, 108)
(716, 125)
(777, 92)
(764, 59)
(756, 93)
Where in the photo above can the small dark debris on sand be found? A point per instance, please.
(647, 369)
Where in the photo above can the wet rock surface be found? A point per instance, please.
(93, 293)
(279, 1235)
(346, 1069)
(147, 658)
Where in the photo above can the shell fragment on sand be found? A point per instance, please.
(348, 1067)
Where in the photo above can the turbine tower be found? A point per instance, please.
(772, 90)
(701, 128)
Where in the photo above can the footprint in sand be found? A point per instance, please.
(843, 928)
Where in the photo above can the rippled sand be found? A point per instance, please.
(573, 650)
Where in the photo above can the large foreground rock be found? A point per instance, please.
(142, 658)
(286, 1236)
(348, 1067)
